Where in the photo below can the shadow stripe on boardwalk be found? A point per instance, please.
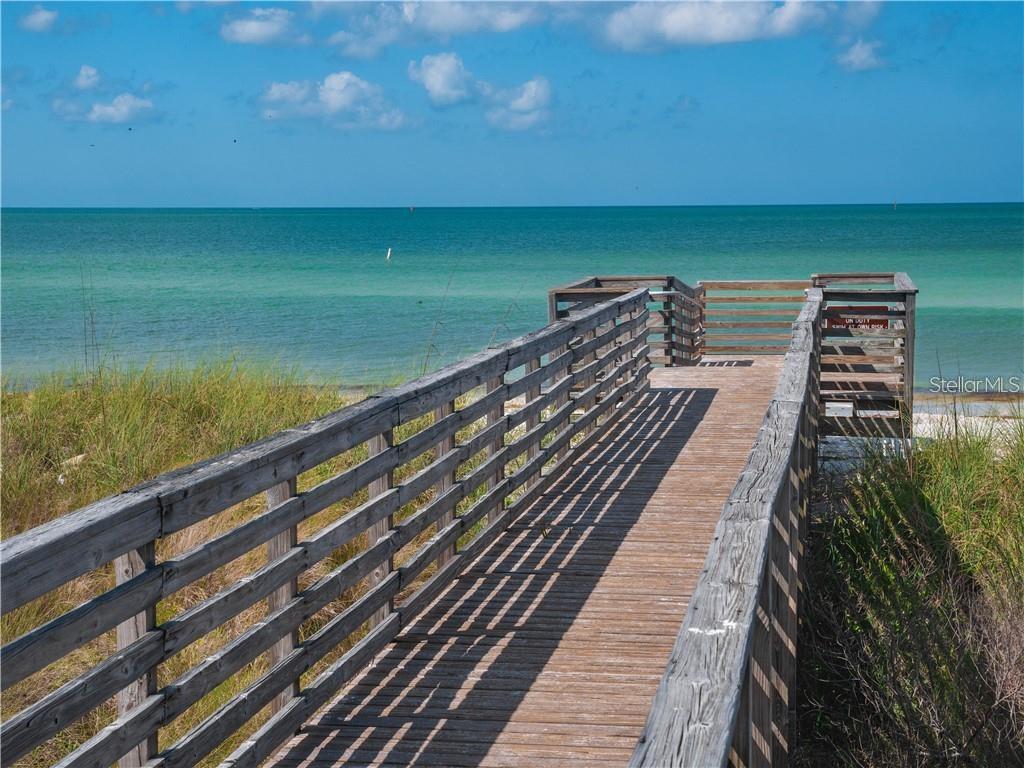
(550, 646)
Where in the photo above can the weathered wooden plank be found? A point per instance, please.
(773, 299)
(693, 718)
(56, 638)
(755, 285)
(34, 562)
(279, 546)
(126, 568)
(261, 744)
(64, 706)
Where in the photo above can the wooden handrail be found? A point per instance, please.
(547, 396)
(722, 698)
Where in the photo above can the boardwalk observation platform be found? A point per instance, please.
(581, 546)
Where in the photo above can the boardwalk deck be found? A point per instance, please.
(549, 648)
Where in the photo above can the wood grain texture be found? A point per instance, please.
(549, 647)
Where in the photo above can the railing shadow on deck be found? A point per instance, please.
(560, 534)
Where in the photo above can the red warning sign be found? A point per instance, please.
(860, 317)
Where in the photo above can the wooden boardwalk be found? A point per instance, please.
(549, 648)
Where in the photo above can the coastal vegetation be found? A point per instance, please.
(78, 437)
(911, 652)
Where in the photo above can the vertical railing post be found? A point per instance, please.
(277, 547)
(378, 487)
(672, 339)
(494, 416)
(698, 344)
(760, 683)
(127, 567)
(910, 304)
(447, 480)
(532, 422)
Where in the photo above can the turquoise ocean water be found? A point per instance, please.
(312, 289)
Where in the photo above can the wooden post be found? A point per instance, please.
(698, 343)
(493, 417)
(126, 567)
(760, 685)
(278, 546)
(381, 485)
(446, 481)
(532, 422)
(910, 305)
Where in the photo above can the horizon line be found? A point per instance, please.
(894, 204)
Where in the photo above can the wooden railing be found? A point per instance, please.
(750, 317)
(726, 693)
(867, 356)
(676, 326)
(443, 468)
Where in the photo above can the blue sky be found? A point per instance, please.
(152, 104)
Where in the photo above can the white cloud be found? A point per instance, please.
(370, 31)
(447, 82)
(523, 107)
(445, 77)
(860, 56)
(261, 26)
(293, 92)
(38, 20)
(342, 98)
(88, 77)
(647, 25)
(444, 19)
(861, 14)
(122, 109)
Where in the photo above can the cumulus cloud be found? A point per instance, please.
(260, 27)
(87, 77)
(342, 98)
(445, 78)
(124, 108)
(38, 20)
(445, 19)
(523, 107)
(860, 56)
(447, 82)
(644, 26)
(370, 31)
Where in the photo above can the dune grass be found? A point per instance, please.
(76, 438)
(912, 652)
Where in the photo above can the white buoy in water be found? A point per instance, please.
(388, 257)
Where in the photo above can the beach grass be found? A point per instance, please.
(76, 438)
(911, 652)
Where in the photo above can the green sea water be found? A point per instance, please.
(312, 289)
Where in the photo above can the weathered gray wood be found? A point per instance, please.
(59, 709)
(279, 546)
(34, 562)
(262, 743)
(53, 640)
(495, 418)
(127, 567)
(194, 493)
(726, 634)
(378, 530)
(755, 285)
(228, 719)
(446, 480)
